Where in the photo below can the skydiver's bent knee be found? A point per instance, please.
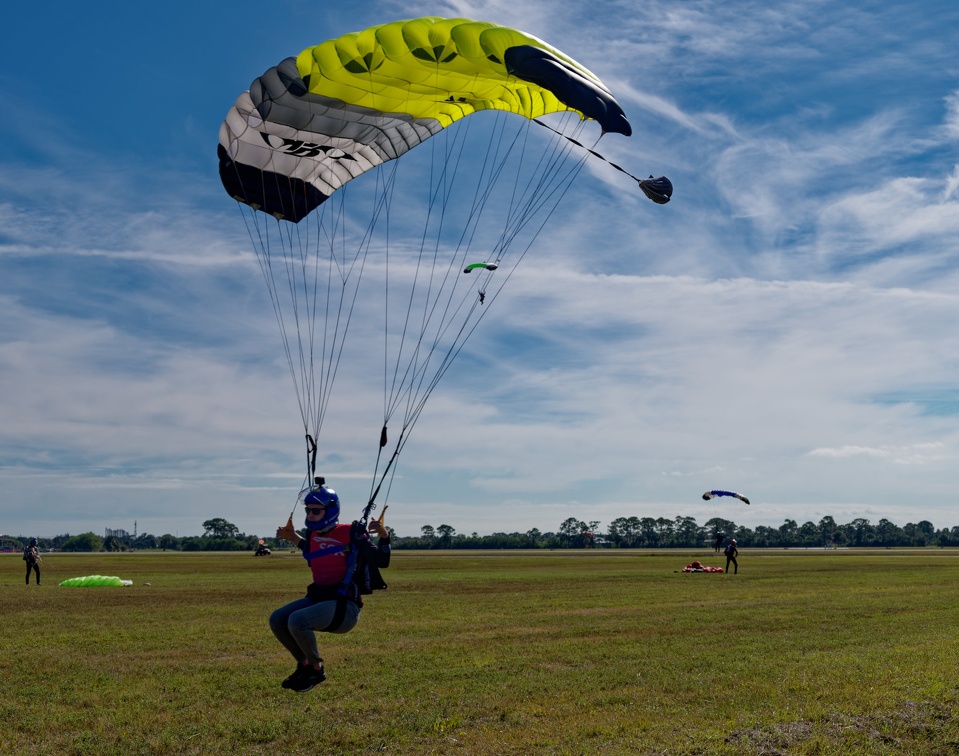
(324, 617)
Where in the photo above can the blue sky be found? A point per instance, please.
(786, 327)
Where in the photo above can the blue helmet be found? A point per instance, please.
(328, 498)
(34, 542)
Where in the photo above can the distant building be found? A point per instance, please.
(123, 536)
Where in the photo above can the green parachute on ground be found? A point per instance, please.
(95, 581)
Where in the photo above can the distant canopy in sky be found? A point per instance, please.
(310, 124)
(713, 494)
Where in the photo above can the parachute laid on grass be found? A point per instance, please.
(713, 494)
(98, 581)
(336, 117)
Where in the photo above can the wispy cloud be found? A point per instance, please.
(916, 454)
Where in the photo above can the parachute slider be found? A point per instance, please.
(477, 266)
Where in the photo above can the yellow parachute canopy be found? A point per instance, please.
(312, 123)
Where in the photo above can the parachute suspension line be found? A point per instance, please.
(348, 266)
(262, 247)
(296, 263)
(407, 381)
(390, 393)
(374, 492)
(548, 168)
(551, 186)
(444, 183)
(459, 343)
(416, 370)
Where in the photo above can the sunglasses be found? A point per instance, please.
(315, 510)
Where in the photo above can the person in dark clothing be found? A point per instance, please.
(345, 565)
(31, 555)
(731, 553)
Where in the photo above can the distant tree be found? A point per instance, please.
(445, 533)
(83, 542)
(716, 525)
(428, 532)
(827, 531)
(220, 528)
(168, 542)
(624, 532)
(789, 533)
(688, 533)
(889, 534)
(112, 543)
(948, 536)
(862, 531)
(649, 535)
(808, 534)
(664, 531)
(571, 531)
(145, 541)
(919, 534)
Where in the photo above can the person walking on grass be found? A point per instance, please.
(731, 553)
(31, 555)
(345, 565)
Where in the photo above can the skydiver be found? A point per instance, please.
(345, 564)
(731, 553)
(482, 297)
(719, 542)
(31, 555)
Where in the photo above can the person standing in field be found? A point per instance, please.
(731, 553)
(719, 542)
(345, 565)
(31, 555)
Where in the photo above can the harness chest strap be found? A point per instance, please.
(326, 550)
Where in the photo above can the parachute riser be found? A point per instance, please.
(371, 505)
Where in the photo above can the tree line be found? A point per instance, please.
(218, 535)
(685, 532)
(623, 532)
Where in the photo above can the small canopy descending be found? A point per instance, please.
(713, 494)
(480, 266)
(97, 581)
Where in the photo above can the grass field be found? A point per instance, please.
(492, 653)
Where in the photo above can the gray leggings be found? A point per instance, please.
(295, 625)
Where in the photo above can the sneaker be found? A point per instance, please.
(297, 674)
(307, 680)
